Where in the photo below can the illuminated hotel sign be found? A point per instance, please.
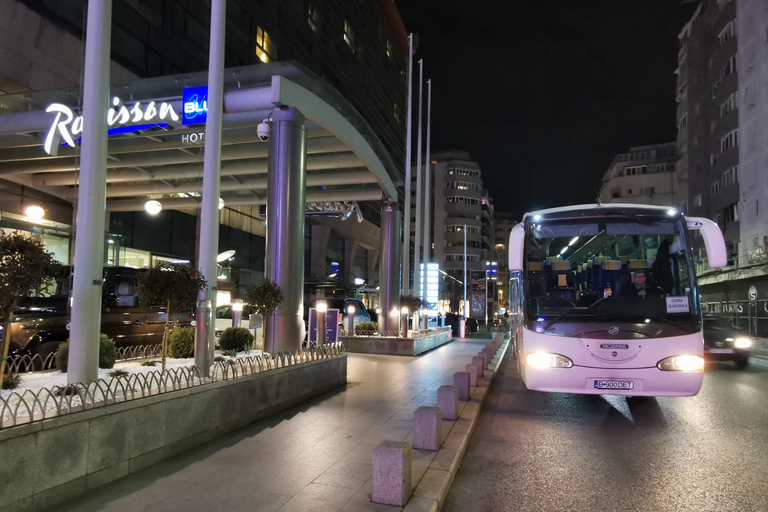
(65, 125)
(195, 101)
(429, 292)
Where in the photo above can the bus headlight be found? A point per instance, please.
(547, 360)
(681, 364)
(742, 343)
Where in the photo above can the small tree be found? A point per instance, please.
(173, 285)
(412, 303)
(25, 269)
(265, 298)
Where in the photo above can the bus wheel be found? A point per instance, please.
(742, 363)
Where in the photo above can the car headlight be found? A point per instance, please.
(547, 360)
(685, 363)
(742, 343)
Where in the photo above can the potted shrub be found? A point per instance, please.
(265, 298)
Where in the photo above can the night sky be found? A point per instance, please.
(544, 93)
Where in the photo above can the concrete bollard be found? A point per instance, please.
(473, 370)
(392, 473)
(480, 363)
(461, 381)
(426, 428)
(448, 401)
(485, 357)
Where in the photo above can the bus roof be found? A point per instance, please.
(610, 208)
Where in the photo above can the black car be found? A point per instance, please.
(724, 342)
(453, 321)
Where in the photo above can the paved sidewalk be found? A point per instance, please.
(314, 457)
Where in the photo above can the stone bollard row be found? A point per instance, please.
(392, 463)
(392, 460)
(426, 428)
(461, 382)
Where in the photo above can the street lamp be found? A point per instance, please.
(322, 307)
(351, 318)
(237, 312)
(153, 207)
(34, 213)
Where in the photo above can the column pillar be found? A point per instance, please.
(85, 324)
(285, 226)
(389, 270)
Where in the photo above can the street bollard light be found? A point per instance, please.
(237, 312)
(404, 312)
(351, 318)
(203, 321)
(322, 308)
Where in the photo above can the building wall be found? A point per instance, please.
(708, 117)
(36, 53)
(644, 175)
(752, 60)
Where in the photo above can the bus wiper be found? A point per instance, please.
(563, 316)
(637, 318)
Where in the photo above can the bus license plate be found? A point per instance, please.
(614, 384)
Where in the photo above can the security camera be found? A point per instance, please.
(263, 130)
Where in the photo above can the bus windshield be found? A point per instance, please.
(636, 274)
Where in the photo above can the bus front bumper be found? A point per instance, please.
(615, 381)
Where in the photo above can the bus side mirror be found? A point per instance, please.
(717, 255)
(516, 239)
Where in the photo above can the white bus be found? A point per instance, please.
(607, 300)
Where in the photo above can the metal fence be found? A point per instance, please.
(36, 362)
(28, 406)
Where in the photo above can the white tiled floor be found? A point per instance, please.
(314, 457)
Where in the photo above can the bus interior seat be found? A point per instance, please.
(536, 279)
(608, 271)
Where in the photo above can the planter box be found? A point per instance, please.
(420, 343)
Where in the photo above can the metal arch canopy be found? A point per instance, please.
(291, 94)
(345, 160)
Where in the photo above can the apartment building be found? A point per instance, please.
(723, 146)
(644, 175)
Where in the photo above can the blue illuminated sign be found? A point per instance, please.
(195, 105)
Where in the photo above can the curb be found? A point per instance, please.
(430, 493)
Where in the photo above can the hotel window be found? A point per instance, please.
(265, 49)
(729, 68)
(727, 33)
(684, 207)
(349, 35)
(714, 188)
(731, 213)
(729, 141)
(728, 105)
(313, 17)
(697, 200)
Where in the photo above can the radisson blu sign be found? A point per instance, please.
(65, 125)
(195, 105)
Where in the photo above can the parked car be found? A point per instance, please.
(724, 342)
(453, 320)
(223, 317)
(361, 313)
(39, 324)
